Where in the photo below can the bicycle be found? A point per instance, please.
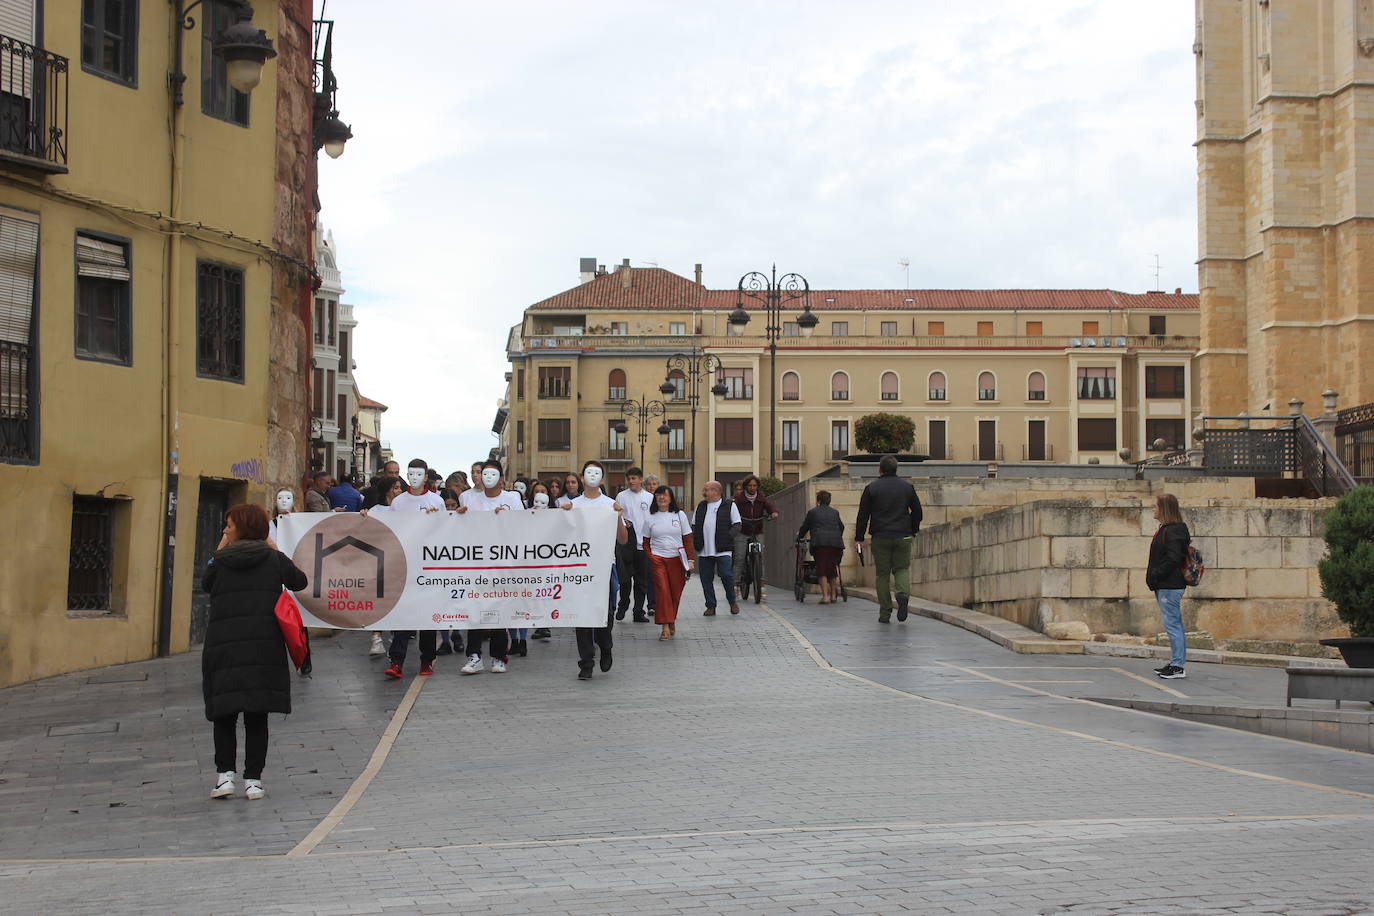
(751, 572)
(806, 573)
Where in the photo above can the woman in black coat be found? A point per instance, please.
(1164, 577)
(827, 544)
(244, 666)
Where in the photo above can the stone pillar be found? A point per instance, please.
(1326, 421)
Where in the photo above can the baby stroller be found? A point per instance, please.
(806, 572)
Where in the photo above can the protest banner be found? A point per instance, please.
(442, 570)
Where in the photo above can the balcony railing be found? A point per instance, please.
(996, 453)
(796, 453)
(518, 343)
(674, 454)
(33, 106)
(1044, 453)
(17, 413)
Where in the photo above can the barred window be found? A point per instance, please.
(90, 563)
(219, 321)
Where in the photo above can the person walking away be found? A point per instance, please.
(667, 543)
(315, 500)
(343, 496)
(244, 665)
(591, 638)
(753, 507)
(714, 528)
(826, 528)
(491, 496)
(631, 558)
(890, 507)
(1164, 577)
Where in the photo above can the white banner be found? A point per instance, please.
(479, 570)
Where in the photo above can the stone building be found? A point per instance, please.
(987, 375)
(1285, 201)
(334, 400)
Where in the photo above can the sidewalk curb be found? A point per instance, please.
(1350, 730)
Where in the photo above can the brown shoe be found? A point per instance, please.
(734, 609)
(710, 612)
(663, 634)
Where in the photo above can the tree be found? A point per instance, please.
(884, 433)
(770, 485)
(1347, 570)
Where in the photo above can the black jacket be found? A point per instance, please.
(1167, 552)
(725, 531)
(825, 525)
(890, 503)
(244, 666)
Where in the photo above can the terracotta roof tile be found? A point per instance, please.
(369, 403)
(650, 288)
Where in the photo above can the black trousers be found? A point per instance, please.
(588, 638)
(498, 643)
(400, 642)
(254, 743)
(632, 565)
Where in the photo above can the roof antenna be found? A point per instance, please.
(905, 264)
(1155, 288)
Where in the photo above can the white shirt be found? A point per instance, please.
(636, 506)
(562, 500)
(665, 531)
(477, 501)
(409, 502)
(708, 529)
(584, 502)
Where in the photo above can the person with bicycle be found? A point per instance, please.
(754, 508)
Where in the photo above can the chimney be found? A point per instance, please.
(587, 268)
(1178, 291)
(601, 270)
(698, 275)
(625, 274)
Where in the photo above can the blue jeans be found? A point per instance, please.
(708, 567)
(1171, 610)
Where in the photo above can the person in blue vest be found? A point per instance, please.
(714, 527)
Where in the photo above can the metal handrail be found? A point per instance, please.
(1334, 474)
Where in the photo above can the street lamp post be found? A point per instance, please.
(243, 47)
(773, 291)
(694, 369)
(640, 411)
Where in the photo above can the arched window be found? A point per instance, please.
(888, 386)
(791, 386)
(936, 386)
(1035, 387)
(616, 385)
(839, 386)
(987, 386)
(678, 380)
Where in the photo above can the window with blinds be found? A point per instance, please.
(18, 365)
(103, 300)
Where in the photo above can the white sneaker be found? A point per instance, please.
(224, 786)
(253, 790)
(377, 647)
(498, 666)
(474, 665)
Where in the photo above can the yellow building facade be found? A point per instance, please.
(985, 375)
(136, 282)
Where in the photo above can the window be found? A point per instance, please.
(319, 320)
(102, 299)
(317, 393)
(888, 386)
(677, 482)
(985, 329)
(988, 447)
(839, 386)
(615, 385)
(987, 386)
(90, 562)
(1097, 435)
(1089, 328)
(345, 366)
(839, 329)
(109, 39)
(1035, 387)
(887, 329)
(519, 435)
(615, 441)
(734, 434)
(217, 98)
(1163, 381)
(791, 386)
(329, 396)
(620, 328)
(839, 438)
(1035, 441)
(677, 439)
(790, 477)
(343, 415)
(219, 321)
(520, 384)
(679, 383)
(739, 383)
(18, 359)
(1171, 431)
(1157, 325)
(935, 328)
(332, 338)
(1096, 383)
(791, 440)
(677, 328)
(937, 440)
(555, 381)
(935, 386)
(555, 435)
(1035, 328)
(791, 329)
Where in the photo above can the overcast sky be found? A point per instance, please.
(996, 144)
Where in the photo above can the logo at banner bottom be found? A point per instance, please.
(357, 570)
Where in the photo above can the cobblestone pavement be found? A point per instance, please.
(732, 769)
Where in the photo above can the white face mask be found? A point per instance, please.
(541, 500)
(520, 487)
(415, 477)
(490, 477)
(286, 501)
(592, 476)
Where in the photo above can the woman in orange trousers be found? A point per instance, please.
(668, 545)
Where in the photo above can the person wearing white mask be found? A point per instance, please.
(285, 505)
(632, 561)
(590, 638)
(420, 496)
(542, 499)
(491, 496)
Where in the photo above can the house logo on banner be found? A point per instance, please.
(357, 570)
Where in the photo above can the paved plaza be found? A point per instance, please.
(793, 759)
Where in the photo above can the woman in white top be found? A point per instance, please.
(668, 544)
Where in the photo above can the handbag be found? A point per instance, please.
(292, 628)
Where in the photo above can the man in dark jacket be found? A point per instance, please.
(890, 507)
(753, 507)
(714, 528)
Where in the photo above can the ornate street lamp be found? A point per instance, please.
(640, 411)
(243, 47)
(694, 369)
(328, 131)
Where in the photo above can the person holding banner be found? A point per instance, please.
(588, 638)
(668, 545)
(386, 490)
(491, 496)
(421, 495)
(417, 496)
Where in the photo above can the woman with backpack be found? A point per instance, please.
(1164, 577)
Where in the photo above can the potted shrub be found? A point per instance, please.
(884, 433)
(1347, 573)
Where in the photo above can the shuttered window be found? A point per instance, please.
(102, 300)
(18, 375)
